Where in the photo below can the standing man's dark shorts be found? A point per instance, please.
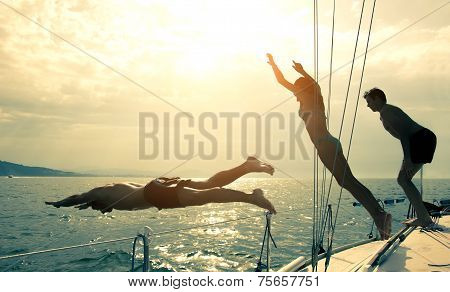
(422, 145)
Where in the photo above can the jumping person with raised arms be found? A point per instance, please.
(312, 111)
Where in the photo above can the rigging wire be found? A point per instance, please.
(323, 205)
(355, 115)
(345, 108)
(314, 243)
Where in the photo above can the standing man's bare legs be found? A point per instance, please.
(226, 177)
(413, 194)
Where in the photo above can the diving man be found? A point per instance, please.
(169, 193)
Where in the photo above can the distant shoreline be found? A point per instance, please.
(18, 170)
(150, 177)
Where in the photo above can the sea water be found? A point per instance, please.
(27, 224)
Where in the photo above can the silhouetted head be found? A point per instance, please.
(304, 86)
(375, 98)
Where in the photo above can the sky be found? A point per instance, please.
(74, 104)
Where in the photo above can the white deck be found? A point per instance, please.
(419, 252)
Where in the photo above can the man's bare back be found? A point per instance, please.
(397, 122)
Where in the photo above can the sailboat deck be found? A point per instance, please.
(420, 251)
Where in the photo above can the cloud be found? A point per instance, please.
(54, 97)
(5, 117)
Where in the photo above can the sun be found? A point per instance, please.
(197, 39)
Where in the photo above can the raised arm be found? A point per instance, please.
(299, 68)
(279, 75)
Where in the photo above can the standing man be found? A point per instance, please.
(418, 145)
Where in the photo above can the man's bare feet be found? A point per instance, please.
(259, 200)
(417, 222)
(255, 165)
(383, 223)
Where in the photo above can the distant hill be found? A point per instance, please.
(8, 168)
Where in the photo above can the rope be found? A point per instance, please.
(345, 104)
(266, 241)
(329, 238)
(328, 122)
(344, 112)
(315, 167)
(331, 66)
(316, 251)
(355, 115)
